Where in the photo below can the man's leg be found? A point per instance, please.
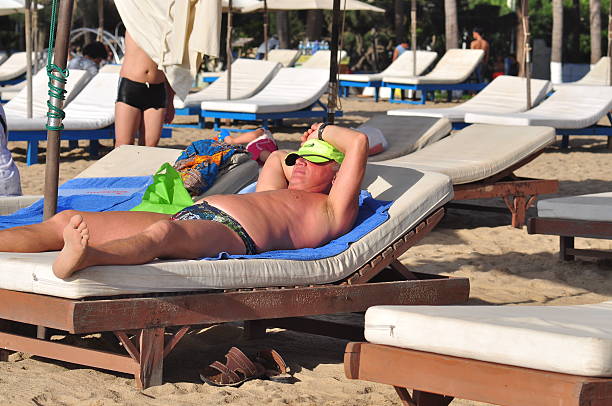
(153, 120)
(47, 236)
(185, 239)
(127, 122)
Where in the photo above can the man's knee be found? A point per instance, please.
(161, 231)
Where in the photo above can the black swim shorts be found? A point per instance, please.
(143, 96)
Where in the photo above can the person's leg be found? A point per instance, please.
(184, 239)
(244, 138)
(127, 122)
(153, 120)
(47, 236)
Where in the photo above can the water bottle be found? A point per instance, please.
(315, 47)
(301, 47)
(308, 48)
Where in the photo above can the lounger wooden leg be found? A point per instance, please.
(94, 148)
(564, 244)
(254, 329)
(564, 141)
(404, 396)
(151, 358)
(518, 207)
(430, 399)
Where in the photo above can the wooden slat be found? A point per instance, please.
(36, 309)
(570, 228)
(524, 187)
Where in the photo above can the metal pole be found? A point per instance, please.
(413, 28)
(333, 64)
(100, 20)
(228, 51)
(53, 136)
(28, 46)
(266, 29)
(525, 8)
(610, 45)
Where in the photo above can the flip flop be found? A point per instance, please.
(237, 369)
(275, 367)
(222, 134)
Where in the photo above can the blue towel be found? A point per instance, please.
(86, 194)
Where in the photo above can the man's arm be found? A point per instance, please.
(169, 103)
(275, 174)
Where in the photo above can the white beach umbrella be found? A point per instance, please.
(315, 5)
(8, 7)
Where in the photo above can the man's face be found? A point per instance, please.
(312, 177)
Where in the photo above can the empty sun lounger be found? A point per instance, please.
(481, 159)
(503, 355)
(321, 60)
(292, 93)
(13, 69)
(402, 66)
(505, 94)
(572, 110)
(587, 216)
(286, 57)
(599, 75)
(406, 134)
(450, 73)
(249, 76)
(90, 116)
(204, 292)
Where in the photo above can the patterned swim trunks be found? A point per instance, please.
(204, 211)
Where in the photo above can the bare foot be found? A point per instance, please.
(72, 256)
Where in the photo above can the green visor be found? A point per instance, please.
(316, 151)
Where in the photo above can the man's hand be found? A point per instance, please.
(311, 132)
(169, 116)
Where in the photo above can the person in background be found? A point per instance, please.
(10, 183)
(93, 54)
(400, 49)
(480, 43)
(273, 43)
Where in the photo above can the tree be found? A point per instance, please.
(450, 23)
(314, 24)
(282, 28)
(595, 24)
(400, 21)
(556, 56)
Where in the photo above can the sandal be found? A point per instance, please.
(275, 367)
(237, 369)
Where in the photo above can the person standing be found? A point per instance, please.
(480, 43)
(10, 182)
(93, 54)
(400, 49)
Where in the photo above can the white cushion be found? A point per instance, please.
(599, 75)
(455, 66)
(14, 66)
(569, 107)
(478, 151)
(402, 66)
(505, 94)
(414, 195)
(249, 76)
(286, 57)
(593, 207)
(567, 339)
(291, 89)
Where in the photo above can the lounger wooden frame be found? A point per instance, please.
(151, 315)
(437, 379)
(518, 193)
(567, 230)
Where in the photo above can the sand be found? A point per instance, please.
(505, 266)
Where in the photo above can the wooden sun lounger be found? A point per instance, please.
(383, 280)
(437, 379)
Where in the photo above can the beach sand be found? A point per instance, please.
(506, 266)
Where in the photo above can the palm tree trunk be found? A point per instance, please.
(451, 28)
(400, 21)
(314, 24)
(595, 24)
(282, 28)
(556, 56)
(100, 20)
(520, 41)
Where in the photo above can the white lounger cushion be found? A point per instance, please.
(455, 66)
(594, 207)
(567, 339)
(415, 195)
(505, 94)
(321, 59)
(478, 151)
(286, 57)
(599, 75)
(569, 107)
(16, 108)
(249, 76)
(402, 66)
(291, 89)
(93, 108)
(13, 67)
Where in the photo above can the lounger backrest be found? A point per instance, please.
(299, 87)
(598, 75)
(321, 59)
(14, 66)
(249, 76)
(95, 104)
(285, 57)
(456, 64)
(403, 65)
(508, 94)
(17, 106)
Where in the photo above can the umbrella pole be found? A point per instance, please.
(413, 29)
(527, 50)
(228, 51)
(333, 65)
(610, 46)
(53, 136)
(266, 29)
(28, 46)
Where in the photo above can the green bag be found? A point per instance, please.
(166, 194)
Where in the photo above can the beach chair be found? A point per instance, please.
(402, 66)
(505, 94)
(292, 93)
(249, 76)
(586, 216)
(481, 160)
(450, 73)
(598, 75)
(572, 110)
(90, 116)
(321, 60)
(286, 57)
(502, 355)
(13, 69)
(126, 300)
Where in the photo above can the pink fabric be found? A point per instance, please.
(261, 144)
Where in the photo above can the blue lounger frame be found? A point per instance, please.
(476, 87)
(14, 81)
(346, 84)
(308, 112)
(72, 136)
(592, 130)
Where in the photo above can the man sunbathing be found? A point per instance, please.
(303, 199)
